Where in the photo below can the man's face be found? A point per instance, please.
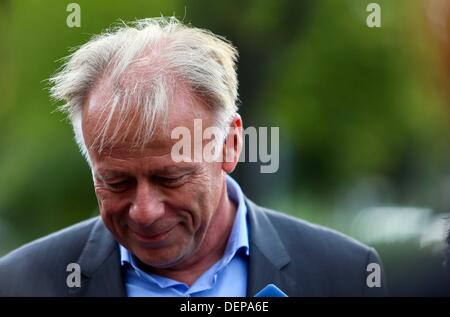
(158, 209)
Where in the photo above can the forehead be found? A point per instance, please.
(109, 169)
(154, 158)
(125, 125)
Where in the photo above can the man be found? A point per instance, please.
(171, 225)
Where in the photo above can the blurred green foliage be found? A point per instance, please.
(361, 101)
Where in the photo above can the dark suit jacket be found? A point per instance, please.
(302, 259)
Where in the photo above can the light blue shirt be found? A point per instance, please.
(227, 277)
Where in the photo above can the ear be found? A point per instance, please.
(233, 144)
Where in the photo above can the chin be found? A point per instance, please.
(162, 259)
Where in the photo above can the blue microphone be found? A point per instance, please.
(271, 290)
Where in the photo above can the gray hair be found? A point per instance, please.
(161, 51)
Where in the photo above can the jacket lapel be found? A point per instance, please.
(268, 255)
(101, 272)
(100, 265)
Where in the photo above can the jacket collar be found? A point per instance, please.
(99, 263)
(268, 255)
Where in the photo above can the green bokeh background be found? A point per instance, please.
(363, 116)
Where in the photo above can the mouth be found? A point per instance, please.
(152, 238)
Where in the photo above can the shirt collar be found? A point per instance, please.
(238, 240)
(239, 232)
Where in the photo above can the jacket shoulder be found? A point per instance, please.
(36, 266)
(332, 263)
(294, 229)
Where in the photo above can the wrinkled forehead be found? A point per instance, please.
(111, 122)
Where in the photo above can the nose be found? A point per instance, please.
(147, 206)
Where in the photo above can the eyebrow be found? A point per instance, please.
(110, 174)
(175, 169)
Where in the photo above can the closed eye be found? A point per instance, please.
(119, 186)
(171, 181)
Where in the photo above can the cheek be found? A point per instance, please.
(110, 203)
(111, 210)
(190, 204)
(204, 197)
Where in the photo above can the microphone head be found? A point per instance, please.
(271, 290)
